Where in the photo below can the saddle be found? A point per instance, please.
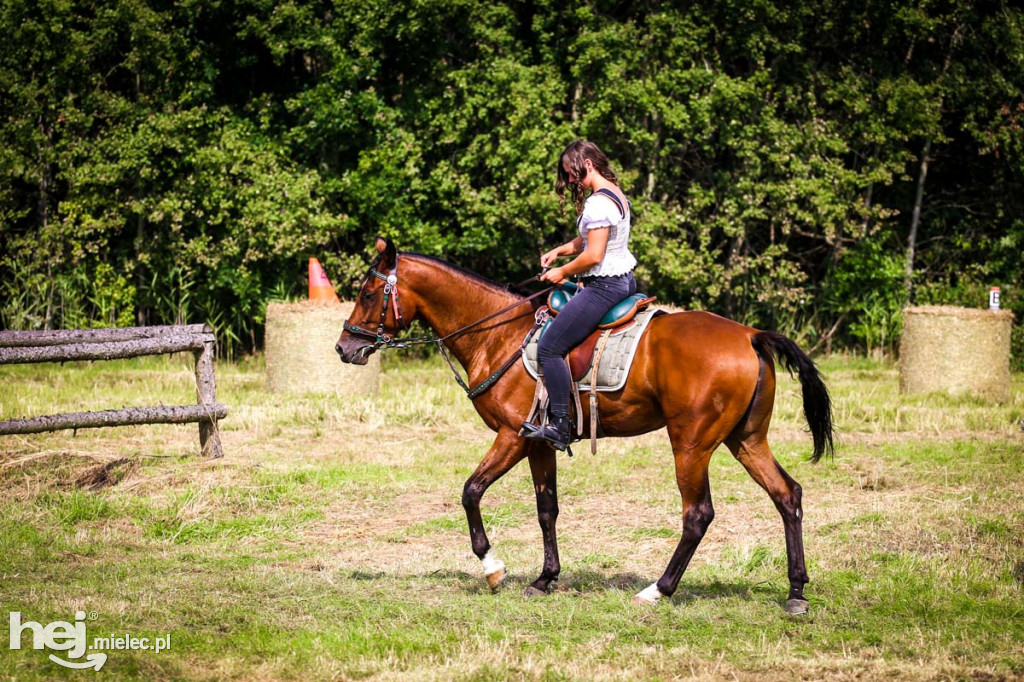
(618, 319)
(621, 325)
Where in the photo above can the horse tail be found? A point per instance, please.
(817, 402)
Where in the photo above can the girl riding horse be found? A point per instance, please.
(708, 380)
(602, 257)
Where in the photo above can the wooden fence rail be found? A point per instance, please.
(112, 344)
(63, 337)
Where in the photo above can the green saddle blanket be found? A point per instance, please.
(616, 359)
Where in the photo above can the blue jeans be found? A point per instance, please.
(574, 323)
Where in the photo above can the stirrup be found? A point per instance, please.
(527, 428)
(559, 436)
(531, 428)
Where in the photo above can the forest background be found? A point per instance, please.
(810, 166)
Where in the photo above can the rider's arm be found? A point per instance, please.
(597, 243)
(566, 249)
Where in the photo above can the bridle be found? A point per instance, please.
(381, 337)
(383, 340)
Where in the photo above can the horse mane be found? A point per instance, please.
(463, 272)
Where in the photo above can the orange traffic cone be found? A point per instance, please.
(320, 289)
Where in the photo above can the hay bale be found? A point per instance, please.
(299, 346)
(956, 350)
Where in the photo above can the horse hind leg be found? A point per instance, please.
(698, 513)
(757, 458)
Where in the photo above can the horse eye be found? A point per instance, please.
(369, 295)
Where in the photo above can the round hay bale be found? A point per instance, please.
(956, 350)
(299, 347)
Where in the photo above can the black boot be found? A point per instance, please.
(558, 432)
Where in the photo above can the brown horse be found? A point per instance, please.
(708, 379)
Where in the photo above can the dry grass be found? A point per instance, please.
(330, 542)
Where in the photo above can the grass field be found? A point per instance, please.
(330, 542)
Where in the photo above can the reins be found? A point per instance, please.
(382, 340)
(528, 280)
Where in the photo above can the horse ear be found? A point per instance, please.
(389, 254)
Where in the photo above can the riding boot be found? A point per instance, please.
(558, 432)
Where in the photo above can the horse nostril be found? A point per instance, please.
(338, 350)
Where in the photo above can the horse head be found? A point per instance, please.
(378, 316)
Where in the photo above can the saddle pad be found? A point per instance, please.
(615, 361)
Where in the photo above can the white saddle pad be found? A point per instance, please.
(615, 361)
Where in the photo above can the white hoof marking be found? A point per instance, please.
(494, 570)
(649, 595)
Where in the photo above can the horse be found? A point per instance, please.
(707, 379)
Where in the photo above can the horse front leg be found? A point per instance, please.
(507, 450)
(544, 467)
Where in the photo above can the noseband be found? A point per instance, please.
(381, 339)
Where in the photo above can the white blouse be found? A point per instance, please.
(600, 211)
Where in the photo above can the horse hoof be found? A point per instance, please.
(532, 591)
(648, 596)
(494, 570)
(495, 579)
(797, 607)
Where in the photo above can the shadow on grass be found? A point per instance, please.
(585, 581)
(595, 581)
(439, 575)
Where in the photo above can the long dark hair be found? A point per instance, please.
(574, 156)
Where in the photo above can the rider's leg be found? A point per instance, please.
(571, 327)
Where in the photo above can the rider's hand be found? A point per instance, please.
(555, 275)
(548, 258)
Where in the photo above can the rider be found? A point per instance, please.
(602, 257)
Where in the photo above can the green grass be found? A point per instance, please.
(330, 542)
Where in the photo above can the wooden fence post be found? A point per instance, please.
(206, 387)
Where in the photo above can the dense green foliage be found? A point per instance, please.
(162, 161)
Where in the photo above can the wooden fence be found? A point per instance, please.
(112, 344)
